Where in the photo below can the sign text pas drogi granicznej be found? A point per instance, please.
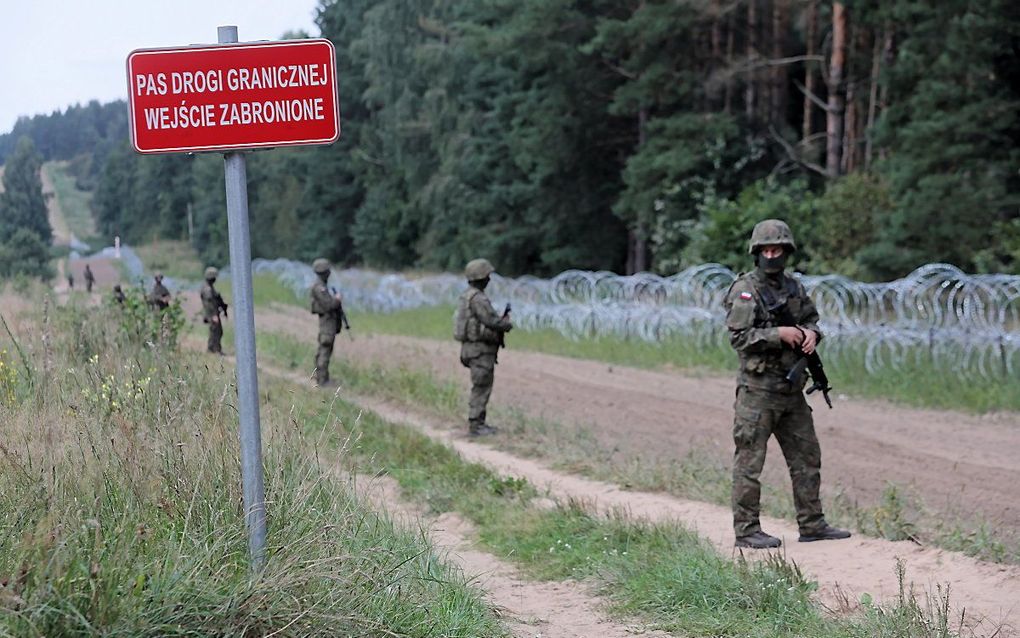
(233, 96)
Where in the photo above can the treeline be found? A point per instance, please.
(82, 134)
(631, 135)
(25, 233)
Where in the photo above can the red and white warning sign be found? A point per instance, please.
(233, 96)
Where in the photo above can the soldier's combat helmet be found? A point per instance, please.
(211, 273)
(321, 265)
(771, 232)
(158, 276)
(478, 269)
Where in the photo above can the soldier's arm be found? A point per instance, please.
(326, 300)
(486, 314)
(809, 313)
(740, 317)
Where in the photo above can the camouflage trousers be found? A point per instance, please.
(483, 369)
(215, 337)
(322, 357)
(758, 415)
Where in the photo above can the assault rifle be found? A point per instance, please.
(812, 363)
(502, 335)
(340, 311)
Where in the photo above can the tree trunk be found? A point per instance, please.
(730, 44)
(717, 57)
(752, 43)
(876, 70)
(834, 115)
(809, 71)
(847, 157)
(637, 242)
(780, 10)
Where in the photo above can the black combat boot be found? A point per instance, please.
(824, 533)
(480, 428)
(758, 540)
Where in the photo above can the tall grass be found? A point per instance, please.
(121, 511)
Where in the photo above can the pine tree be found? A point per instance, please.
(25, 233)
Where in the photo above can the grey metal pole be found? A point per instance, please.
(239, 238)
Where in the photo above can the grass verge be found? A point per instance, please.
(174, 258)
(74, 203)
(120, 507)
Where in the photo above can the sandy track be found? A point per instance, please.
(547, 609)
(989, 593)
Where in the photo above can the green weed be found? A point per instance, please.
(121, 511)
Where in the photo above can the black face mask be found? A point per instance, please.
(772, 266)
(480, 283)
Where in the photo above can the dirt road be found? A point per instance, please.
(960, 462)
(957, 463)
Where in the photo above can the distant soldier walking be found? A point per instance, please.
(90, 279)
(212, 304)
(767, 403)
(329, 306)
(480, 330)
(159, 298)
(70, 278)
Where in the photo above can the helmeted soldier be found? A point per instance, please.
(90, 279)
(480, 330)
(212, 304)
(329, 306)
(767, 404)
(159, 298)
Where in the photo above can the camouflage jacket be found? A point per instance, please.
(478, 323)
(212, 301)
(754, 332)
(160, 296)
(327, 307)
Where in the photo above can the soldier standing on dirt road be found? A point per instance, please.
(212, 304)
(329, 307)
(767, 404)
(90, 279)
(480, 331)
(160, 296)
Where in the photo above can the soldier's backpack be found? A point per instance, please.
(462, 316)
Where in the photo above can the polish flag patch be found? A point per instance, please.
(746, 296)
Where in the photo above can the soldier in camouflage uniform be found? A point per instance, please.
(480, 331)
(212, 304)
(767, 404)
(90, 279)
(329, 307)
(159, 298)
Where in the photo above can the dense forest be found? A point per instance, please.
(615, 134)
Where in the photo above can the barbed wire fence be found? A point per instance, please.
(938, 316)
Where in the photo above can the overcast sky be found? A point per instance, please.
(57, 53)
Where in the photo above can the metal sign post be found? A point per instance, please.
(252, 479)
(227, 98)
